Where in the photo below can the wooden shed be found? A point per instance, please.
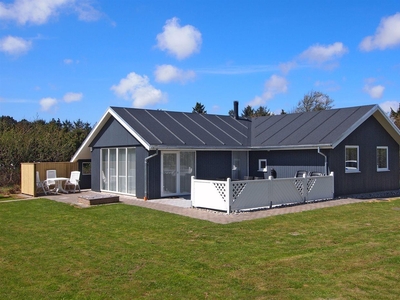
(28, 173)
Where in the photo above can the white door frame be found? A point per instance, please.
(176, 172)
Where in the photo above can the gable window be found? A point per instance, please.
(382, 158)
(352, 159)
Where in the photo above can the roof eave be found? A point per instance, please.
(355, 125)
(84, 150)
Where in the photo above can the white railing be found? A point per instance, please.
(252, 194)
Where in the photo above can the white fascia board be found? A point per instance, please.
(84, 148)
(355, 126)
(388, 124)
(138, 137)
(84, 151)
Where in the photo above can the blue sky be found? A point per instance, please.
(72, 59)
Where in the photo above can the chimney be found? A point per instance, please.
(236, 109)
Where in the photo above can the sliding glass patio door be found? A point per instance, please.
(118, 170)
(177, 167)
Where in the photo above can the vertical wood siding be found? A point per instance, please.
(213, 164)
(368, 136)
(286, 162)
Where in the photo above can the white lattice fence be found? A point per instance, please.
(210, 194)
(250, 194)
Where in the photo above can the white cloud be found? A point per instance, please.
(178, 41)
(320, 53)
(387, 35)
(273, 86)
(168, 73)
(40, 11)
(69, 61)
(386, 106)
(375, 92)
(72, 97)
(14, 45)
(138, 89)
(325, 56)
(86, 12)
(47, 103)
(287, 66)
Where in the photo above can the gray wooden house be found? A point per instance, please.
(154, 153)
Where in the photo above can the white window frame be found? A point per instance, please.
(351, 169)
(387, 159)
(106, 172)
(262, 165)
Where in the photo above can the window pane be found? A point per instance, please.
(113, 170)
(239, 165)
(187, 165)
(169, 173)
(132, 171)
(352, 159)
(382, 161)
(122, 170)
(104, 169)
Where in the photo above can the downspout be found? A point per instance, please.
(146, 196)
(326, 160)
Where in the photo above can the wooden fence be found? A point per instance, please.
(28, 173)
(252, 194)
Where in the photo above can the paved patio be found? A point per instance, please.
(181, 206)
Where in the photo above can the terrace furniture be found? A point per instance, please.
(40, 184)
(314, 173)
(49, 182)
(301, 173)
(55, 183)
(73, 181)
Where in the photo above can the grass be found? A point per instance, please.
(50, 250)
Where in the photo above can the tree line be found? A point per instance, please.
(312, 101)
(36, 141)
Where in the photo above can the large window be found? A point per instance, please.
(382, 158)
(118, 170)
(352, 159)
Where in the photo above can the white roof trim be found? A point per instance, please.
(381, 117)
(84, 151)
(130, 129)
(355, 126)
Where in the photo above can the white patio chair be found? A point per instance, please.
(73, 181)
(51, 184)
(40, 185)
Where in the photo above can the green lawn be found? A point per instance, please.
(50, 250)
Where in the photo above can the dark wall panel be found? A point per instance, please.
(213, 164)
(368, 136)
(286, 162)
(96, 170)
(114, 135)
(154, 171)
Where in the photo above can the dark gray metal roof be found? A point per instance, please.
(157, 129)
(321, 128)
(163, 129)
